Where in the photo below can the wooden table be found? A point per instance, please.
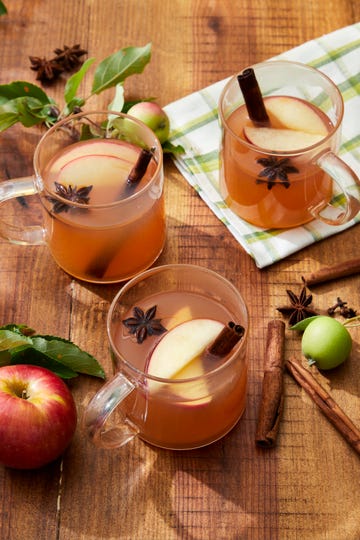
(307, 487)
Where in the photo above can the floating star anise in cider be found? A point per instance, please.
(275, 171)
(70, 193)
(143, 324)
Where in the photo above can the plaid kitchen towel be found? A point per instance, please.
(195, 126)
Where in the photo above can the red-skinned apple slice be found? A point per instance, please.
(277, 140)
(108, 147)
(82, 165)
(178, 354)
(294, 113)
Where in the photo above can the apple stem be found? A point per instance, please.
(253, 98)
(351, 323)
(24, 394)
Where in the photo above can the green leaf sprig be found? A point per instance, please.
(3, 9)
(27, 103)
(19, 344)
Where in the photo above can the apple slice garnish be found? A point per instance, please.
(294, 113)
(178, 355)
(278, 140)
(178, 347)
(181, 315)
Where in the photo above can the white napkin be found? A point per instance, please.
(195, 126)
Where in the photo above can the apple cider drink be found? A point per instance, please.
(280, 124)
(276, 188)
(102, 192)
(185, 346)
(174, 344)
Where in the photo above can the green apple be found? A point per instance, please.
(153, 116)
(326, 342)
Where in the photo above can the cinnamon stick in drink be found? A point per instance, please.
(226, 340)
(326, 403)
(253, 99)
(272, 398)
(98, 266)
(335, 271)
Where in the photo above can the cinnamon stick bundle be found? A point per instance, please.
(326, 403)
(328, 273)
(272, 398)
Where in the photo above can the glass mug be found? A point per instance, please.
(263, 179)
(99, 225)
(151, 395)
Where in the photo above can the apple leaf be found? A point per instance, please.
(73, 83)
(7, 119)
(19, 345)
(169, 148)
(118, 66)
(22, 329)
(69, 354)
(301, 325)
(30, 355)
(117, 103)
(3, 9)
(10, 339)
(19, 89)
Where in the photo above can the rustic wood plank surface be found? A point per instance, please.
(306, 488)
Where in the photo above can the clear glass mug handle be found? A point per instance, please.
(343, 176)
(29, 235)
(101, 407)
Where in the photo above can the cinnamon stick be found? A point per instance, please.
(226, 340)
(253, 98)
(139, 169)
(335, 271)
(98, 267)
(326, 403)
(272, 398)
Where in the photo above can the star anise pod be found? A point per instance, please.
(300, 307)
(70, 193)
(47, 70)
(275, 171)
(69, 57)
(143, 324)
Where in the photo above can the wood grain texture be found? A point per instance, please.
(305, 488)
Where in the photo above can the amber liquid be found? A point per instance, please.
(279, 206)
(113, 242)
(188, 413)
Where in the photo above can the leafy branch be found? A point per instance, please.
(19, 344)
(27, 103)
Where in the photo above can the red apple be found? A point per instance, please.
(153, 116)
(38, 416)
